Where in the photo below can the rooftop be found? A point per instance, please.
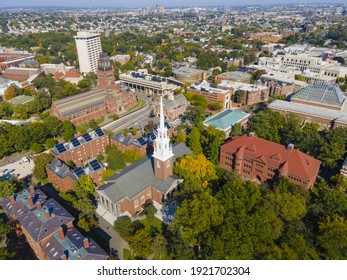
(226, 119)
(205, 86)
(322, 92)
(75, 142)
(73, 104)
(235, 75)
(138, 177)
(21, 99)
(187, 71)
(274, 155)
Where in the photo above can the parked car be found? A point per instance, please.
(11, 170)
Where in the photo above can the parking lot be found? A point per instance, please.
(18, 168)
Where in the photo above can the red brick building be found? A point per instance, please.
(150, 179)
(64, 178)
(21, 74)
(258, 159)
(107, 98)
(13, 59)
(82, 149)
(48, 227)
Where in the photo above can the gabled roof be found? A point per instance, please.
(322, 92)
(20, 201)
(275, 155)
(72, 247)
(82, 101)
(138, 177)
(39, 226)
(61, 169)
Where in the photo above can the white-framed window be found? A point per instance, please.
(143, 199)
(158, 163)
(136, 203)
(149, 194)
(168, 163)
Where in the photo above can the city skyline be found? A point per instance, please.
(152, 3)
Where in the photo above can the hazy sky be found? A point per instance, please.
(144, 3)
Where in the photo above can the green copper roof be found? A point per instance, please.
(226, 119)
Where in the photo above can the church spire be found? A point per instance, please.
(162, 149)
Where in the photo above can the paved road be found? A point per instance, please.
(14, 157)
(116, 243)
(136, 119)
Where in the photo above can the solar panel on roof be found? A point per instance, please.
(61, 148)
(95, 164)
(142, 141)
(151, 136)
(99, 132)
(75, 142)
(79, 171)
(87, 137)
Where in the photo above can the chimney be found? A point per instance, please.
(12, 199)
(30, 201)
(251, 134)
(86, 243)
(290, 147)
(61, 233)
(48, 215)
(32, 189)
(39, 205)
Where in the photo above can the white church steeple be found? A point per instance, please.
(163, 154)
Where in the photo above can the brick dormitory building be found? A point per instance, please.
(48, 227)
(81, 151)
(261, 160)
(108, 97)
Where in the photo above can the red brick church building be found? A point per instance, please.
(258, 159)
(107, 98)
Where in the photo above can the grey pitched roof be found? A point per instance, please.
(61, 169)
(39, 226)
(72, 247)
(322, 92)
(21, 203)
(73, 104)
(126, 140)
(136, 178)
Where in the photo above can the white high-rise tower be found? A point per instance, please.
(163, 155)
(88, 50)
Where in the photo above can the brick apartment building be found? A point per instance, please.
(13, 59)
(212, 94)
(82, 149)
(143, 144)
(48, 227)
(261, 160)
(21, 74)
(107, 98)
(64, 178)
(249, 93)
(173, 108)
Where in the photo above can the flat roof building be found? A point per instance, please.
(236, 76)
(225, 120)
(213, 94)
(189, 75)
